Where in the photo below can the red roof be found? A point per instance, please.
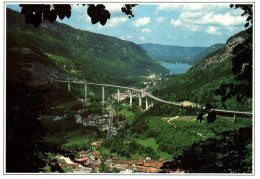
(146, 164)
(159, 165)
(153, 164)
(96, 153)
(151, 170)
(139, 162)
(140, 167)
(82, 159)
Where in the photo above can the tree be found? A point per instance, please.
(242, 63)
(98, 13)
(24, 132)
(115, 170)
(231, 152)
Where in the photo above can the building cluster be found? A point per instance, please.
(89, 162)
(101, 122)
(138, 166)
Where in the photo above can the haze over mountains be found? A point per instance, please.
(178, 54)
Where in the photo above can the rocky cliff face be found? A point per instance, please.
(221, 54)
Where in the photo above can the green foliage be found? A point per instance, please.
(83, 54)
(231, 152)
(199, 86)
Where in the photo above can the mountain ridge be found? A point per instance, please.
(72, 49)
(172, 53)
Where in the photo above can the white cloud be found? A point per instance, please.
(141, 38)
(129, 36)
(222, 19)
(168, 7)
(141, 22)
(213, 30)
(146, 30)
(113, 7)
(190, 15)
(161, 19)
(175, 22)
(113, 22)
(79, 8)
(84, 17)
(191, 7)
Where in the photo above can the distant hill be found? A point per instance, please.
(168, 53)
(81, 54)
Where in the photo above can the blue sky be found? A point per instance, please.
(184, 24)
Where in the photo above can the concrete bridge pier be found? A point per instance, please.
(86, 93)
(131, 100)
(140, 99)
(69, 86)
(152, 103)
(118, 95)
(146, 102)
(103, 95)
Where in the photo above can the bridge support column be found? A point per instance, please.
(152, 103)
(69, 86)
(131, 100)
(146, 102)
(103, 95)
(86, 93)
(118, 95)
(234, 116)
(140, 99)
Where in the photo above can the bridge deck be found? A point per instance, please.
(151, 96)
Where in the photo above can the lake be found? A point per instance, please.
(176, 68)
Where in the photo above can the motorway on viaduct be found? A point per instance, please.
(140, 97)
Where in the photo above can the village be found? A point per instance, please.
(92, 161)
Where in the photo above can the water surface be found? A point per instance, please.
(176, 68)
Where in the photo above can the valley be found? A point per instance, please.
(85, 102)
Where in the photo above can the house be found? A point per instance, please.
(139, 162)
(102, 126)
(129, 169)
(83, 170)
(66, 162)
(96, 143)
(149, 170)
(82, 154)
(101, 120)
(83, 161)
(121, 164)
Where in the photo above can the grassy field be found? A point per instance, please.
(128, 115)
(151, 142)
(75, 137)
(68, 104)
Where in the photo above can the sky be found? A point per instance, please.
(182, 24)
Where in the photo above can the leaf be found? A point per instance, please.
(247, 24)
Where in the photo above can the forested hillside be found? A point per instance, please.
(200, 83)
(209, 50)
(172, 54)
(78, 52)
